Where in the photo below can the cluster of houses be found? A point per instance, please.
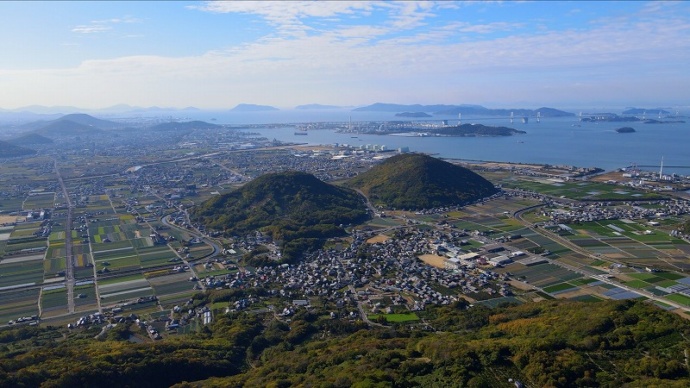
(585, 212)
(363, 271)
(327, 165)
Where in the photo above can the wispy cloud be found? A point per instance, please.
(98, 26)
(91, 29)
(287, 16)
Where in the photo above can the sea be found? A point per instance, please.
(554, 141)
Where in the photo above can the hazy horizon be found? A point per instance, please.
(215, 55)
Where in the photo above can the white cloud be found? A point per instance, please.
(345, 63)
(91, 29)
(98, 26)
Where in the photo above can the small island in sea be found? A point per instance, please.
(412, 114)
(625, 130)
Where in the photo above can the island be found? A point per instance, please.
(253, 108)
(625, 130)
(412, 114)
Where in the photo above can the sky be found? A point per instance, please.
(215, 55)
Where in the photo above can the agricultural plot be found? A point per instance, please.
(26, 245)
(21, 303)
(85, 297)
(396, 318)
(495, 302)
(124, 290)
(653, 281)
(542, 275)
(378, 223)
(53, 267)
(156, 256)
(54, 300)
(45, 200)
(172, 284)
(25, 230)
(108, 250)
(16, 272)
(632, 242)
(200, 250)
(578, 190)
(128, 260)
(620, 294)
(679, 298)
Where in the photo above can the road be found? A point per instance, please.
(69, 257)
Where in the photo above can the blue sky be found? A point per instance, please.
(215, 55)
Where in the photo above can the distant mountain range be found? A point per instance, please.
(640, 111)
(186, 126)
(253, 108)
(71, 124)
(454, 110)
(317, 107)
(38, 112)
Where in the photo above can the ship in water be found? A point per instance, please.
(301, 131)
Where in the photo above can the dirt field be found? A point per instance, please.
(378, 239)
(434, 260)
(8, 219)
(521, 285)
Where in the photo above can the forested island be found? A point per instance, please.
(625, 130)
(463, 130)
(413, 114)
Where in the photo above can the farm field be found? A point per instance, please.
(632, 243)
(577, 190)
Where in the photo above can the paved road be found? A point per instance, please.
(69, 257)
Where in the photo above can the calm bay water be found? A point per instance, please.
(552, 141)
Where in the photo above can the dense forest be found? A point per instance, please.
(549, 344)
(294, 208)
(417, 181)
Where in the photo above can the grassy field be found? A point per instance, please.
(395, 318)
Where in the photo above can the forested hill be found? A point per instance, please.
(30, 139)
(546, 344)
(417, 181)
(294, 207)
(8, 150)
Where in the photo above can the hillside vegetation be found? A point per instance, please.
(30, 139)
(9, 150)
(416, 181)
(293, 207)
(64, 127)
(549, 344)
